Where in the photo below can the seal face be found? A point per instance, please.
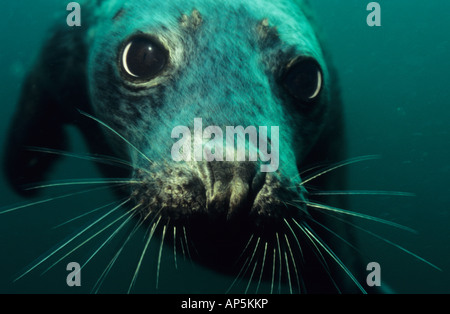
(141, 68)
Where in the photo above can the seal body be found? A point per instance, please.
(135, 70)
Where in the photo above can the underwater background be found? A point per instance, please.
(395, 83)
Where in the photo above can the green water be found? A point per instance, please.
(394, 81)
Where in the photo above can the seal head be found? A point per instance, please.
(142, 68)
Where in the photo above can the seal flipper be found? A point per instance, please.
(35, 124)
(51, 95)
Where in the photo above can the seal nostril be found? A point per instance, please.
(239, 196)
(256, 185)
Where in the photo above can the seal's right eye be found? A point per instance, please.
(304, 79)
(143, 58)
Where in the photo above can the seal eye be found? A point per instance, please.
(143, 58)
(304, 79)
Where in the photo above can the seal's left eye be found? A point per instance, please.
(143, 58)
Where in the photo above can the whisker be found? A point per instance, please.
(104, 159)
(187, 244)
(118, 134)
(273, 270)
(149, 238)
(182, 248)
(364, 192)
(293, 262)
(84, 215)
(319, 256)
(175, 246)
(108, 268)
(159, 256)
(251, 259)
(74, 182)
(335, 234)
(355, 214)
(307, 230)
(47, 200)
(288, 272)
(317, 251)
(245, 266)
(281, 265)
(296, 239)
(130, 213)
(251, 277)
(245, 249)
(72, 239)
(130, 216)
(339, 165)
(238, 275)
(388, 242)
(262, 267)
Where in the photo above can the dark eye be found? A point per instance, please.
(143, 58)
(304, 79)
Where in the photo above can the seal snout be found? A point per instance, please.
(230, 187)
(218, 192)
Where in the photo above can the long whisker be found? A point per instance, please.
(319, 256)
(273, 269)
(108, 268)
(47, 200)
(339, 165)
(150, 236)
(307, 230)
(335, 234)
(72, 239)
(281, 264)
(187, 244)
(245, 266)
(109, 160)
(355, 214)
(288, 272)
(296, 239)
(245, 249)
(130, 213)
(251, 277)
(74, 182)
(387, 241)
(118, 134)
(293, 262)
(175, 246)
(262, 267)
(363, 192)
(159, 256)
(84, 215)
(130, 216)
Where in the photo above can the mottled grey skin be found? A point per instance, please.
(226, 65)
